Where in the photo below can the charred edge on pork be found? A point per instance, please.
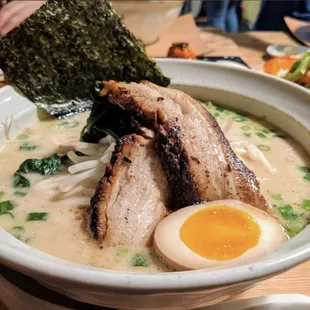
(188, 176)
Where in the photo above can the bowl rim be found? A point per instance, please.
(48, 267)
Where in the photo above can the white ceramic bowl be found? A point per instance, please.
(283, 103)
(147, 19)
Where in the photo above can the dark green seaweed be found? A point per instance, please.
(57, 54)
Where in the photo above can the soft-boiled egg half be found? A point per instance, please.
(216, 233)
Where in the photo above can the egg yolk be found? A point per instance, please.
(220, 232)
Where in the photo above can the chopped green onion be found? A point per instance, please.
(121, 251)
(306, 204)
(247, 134)
(67, 124)
(220, 109)
(294, 227)
(306, 171)
(22, 137)
(20, 194)
(139, 260)
(261, 135)
(37, 216)
(287, 212)
(265, 130)
(258, 127)
(27, 146)
(216, 115)
(7, 213)
(227, 112)
(246, 128)
(6, 206)
(263, 147)
(2, 194)
(18, 228)
(17, 231)
(240, 118)
(277, 197)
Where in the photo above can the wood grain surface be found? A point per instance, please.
(251, 46)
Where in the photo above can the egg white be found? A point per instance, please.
(175, 253)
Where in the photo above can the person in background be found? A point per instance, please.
(12, 13)
(272, 13)
(223, 14)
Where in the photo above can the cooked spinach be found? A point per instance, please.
(106, 119)
(20, 180)
(287, 212)
(37, 216)
(139, 260)
(44, 166)
(6, 207)
(55, 56)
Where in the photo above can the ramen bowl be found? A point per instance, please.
(78, 286)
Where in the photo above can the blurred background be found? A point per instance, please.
(246, 15)
(228, 15)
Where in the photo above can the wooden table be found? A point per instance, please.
(251, 46)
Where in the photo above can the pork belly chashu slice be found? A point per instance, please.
(131, 198)
(197, 158)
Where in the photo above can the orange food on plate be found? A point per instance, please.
(275, 65)
(305, 79)
(181, 50)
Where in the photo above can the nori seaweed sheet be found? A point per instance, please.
(58, 53)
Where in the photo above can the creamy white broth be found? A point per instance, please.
(64, 232)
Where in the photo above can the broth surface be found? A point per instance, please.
(285, 183)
